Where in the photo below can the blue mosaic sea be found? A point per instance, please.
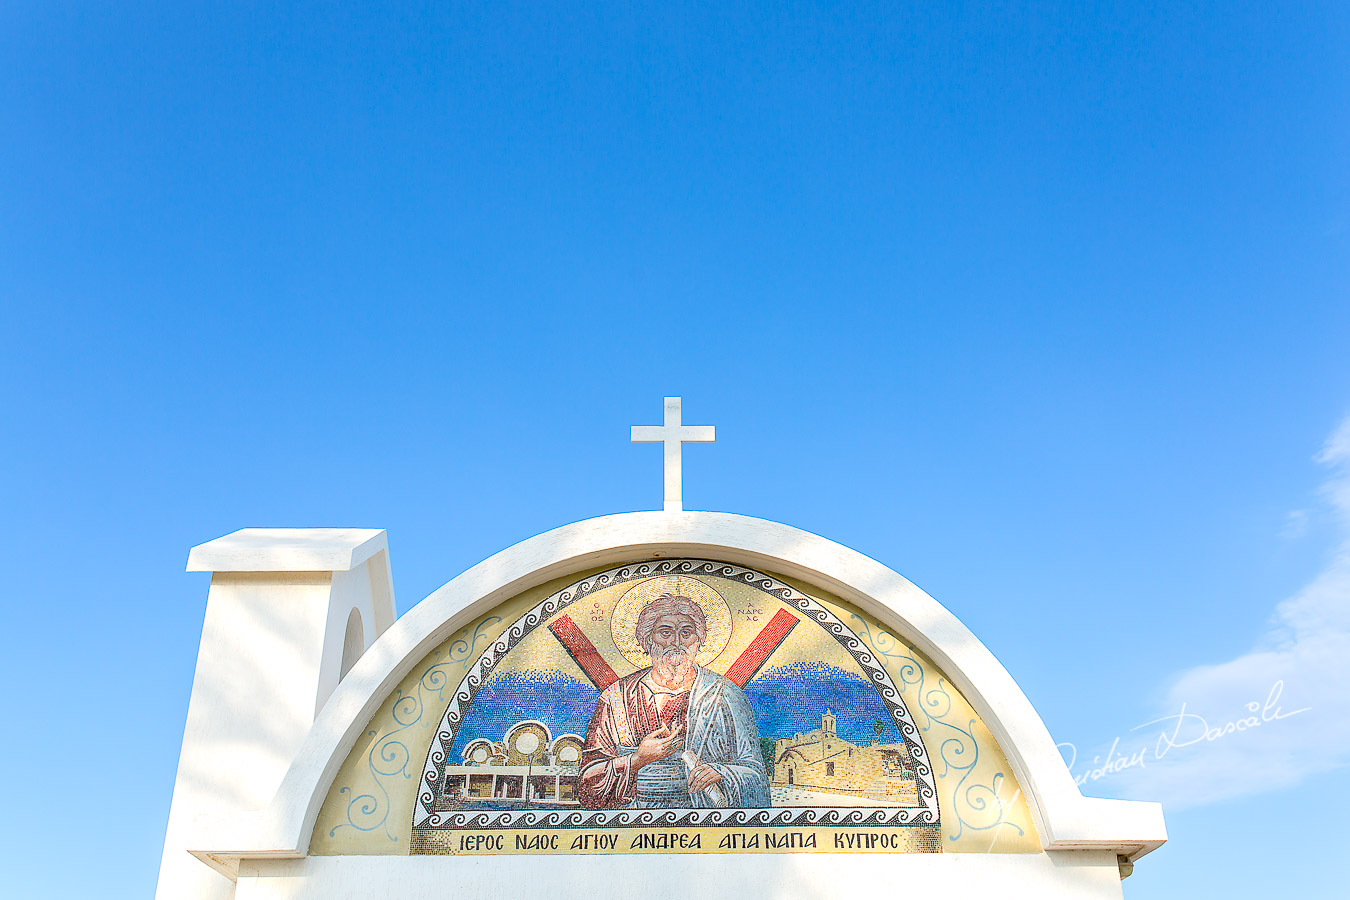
(790, 699)
(787, 700)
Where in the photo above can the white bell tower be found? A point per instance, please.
(290, 611)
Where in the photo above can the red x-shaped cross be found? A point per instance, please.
(742, 670)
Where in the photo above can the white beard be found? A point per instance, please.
(675, 666)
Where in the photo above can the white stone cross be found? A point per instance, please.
(672, 434)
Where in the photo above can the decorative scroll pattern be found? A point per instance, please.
(424, 816)
(675, 818)
(979, 805)
(388, 757)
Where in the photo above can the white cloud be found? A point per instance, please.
(1267, 719)
(1336, 453)
(1295, 524)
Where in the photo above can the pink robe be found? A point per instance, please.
(625, 715)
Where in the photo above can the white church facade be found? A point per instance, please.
(765, 711)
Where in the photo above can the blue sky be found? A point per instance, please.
(1044, 308)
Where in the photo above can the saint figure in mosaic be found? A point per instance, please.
(674, 734)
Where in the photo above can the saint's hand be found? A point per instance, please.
(658, 745)
(702, 778)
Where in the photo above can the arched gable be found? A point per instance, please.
(1060, 816)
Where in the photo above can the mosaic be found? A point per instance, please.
(673, 706)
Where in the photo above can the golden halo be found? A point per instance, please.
(716, 613)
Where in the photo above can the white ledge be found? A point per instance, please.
(288, 550)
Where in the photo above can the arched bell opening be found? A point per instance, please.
(353, 642)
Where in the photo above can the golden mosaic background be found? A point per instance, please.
(368, 809)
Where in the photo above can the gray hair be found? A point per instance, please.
(668, 605)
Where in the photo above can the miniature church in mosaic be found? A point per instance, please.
(820, 761)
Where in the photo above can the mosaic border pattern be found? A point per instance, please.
(424, 817)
